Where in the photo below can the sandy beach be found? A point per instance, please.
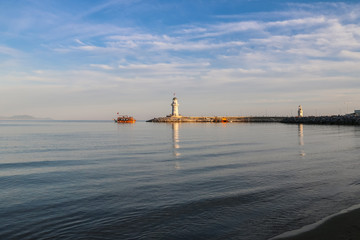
(345, 226)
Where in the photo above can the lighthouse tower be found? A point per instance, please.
(300, 111)
(175, 108)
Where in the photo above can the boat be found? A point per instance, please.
(125, 119)
(223, 119)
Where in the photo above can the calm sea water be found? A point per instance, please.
(100, 180)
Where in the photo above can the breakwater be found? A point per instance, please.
(216, 119)
(326, 120)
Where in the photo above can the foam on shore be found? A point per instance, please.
(342, 225)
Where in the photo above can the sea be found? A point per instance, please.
(103, 180)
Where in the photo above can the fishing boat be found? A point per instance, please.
(223, 119)
(125, 119)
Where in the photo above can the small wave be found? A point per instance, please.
(315, 225)
(37, 164)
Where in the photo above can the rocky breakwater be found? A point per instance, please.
(217, 119)
(326, 120)
(181, 119)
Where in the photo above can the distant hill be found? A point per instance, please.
(23, 117)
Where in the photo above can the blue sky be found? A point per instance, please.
(90, 59)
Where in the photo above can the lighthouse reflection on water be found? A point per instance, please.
(176, 145)
(301, 140)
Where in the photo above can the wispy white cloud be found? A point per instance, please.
(105, 5)
(303, 22)
(79, 42)
(195, 46)
(164, 65)
(237, 26)
(102, 66)
(137, 37)
(88, 48)
(350, 54)
(329, 33)
(10, 51)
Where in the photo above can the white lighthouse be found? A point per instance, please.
(300, 111)
(175, 108)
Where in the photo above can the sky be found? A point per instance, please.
(91, 59)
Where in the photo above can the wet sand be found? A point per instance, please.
(345, 226)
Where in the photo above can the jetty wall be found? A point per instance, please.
(325, 120)
(216, 119)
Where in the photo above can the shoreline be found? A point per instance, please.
(344, 225)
